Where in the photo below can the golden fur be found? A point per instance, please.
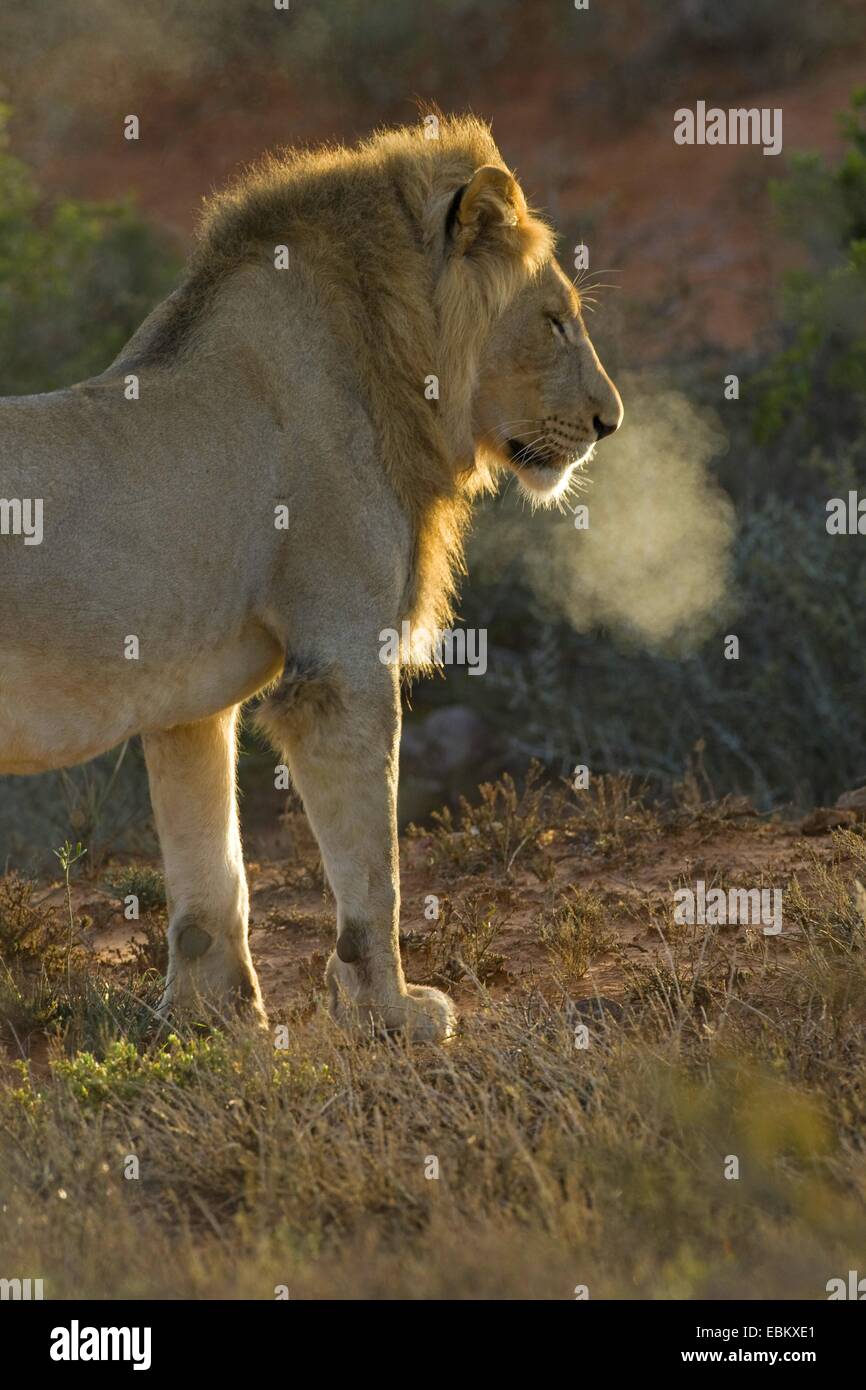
(368, 222)
(302, 390)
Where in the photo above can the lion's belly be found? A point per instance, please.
(56, 713)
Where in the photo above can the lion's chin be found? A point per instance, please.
(545, 483)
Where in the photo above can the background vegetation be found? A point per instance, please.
(76, 279)
(365, 48)
(783, 724)
(300, 1158)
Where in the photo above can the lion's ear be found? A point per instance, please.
(489, 203)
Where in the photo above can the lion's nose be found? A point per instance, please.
(601, 429)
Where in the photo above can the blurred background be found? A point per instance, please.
(606, 647)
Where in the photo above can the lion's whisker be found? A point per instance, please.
(502, 430)
(530, 445)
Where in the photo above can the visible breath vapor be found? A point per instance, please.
(654, 563)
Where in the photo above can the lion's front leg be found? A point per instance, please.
(341, 746)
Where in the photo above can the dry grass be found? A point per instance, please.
(558, 1164)
(461, 942)
(574, 935)
(508, 824)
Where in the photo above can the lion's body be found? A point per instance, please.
(166, 589)
(159, 523)
(137, 528)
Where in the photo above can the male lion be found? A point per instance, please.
(363, 335)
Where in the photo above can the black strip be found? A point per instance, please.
(453, 209)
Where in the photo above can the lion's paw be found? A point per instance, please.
(424, 1014)
(430, 1014)
(184, 1002)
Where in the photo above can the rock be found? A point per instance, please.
(444, 757)
(854, 801)
(448, 741)
(737, 806)
(826, 818)
(596, 1008)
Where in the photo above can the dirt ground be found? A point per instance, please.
(621, 867)
(608, 1063)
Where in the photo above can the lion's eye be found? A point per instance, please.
(557, 325)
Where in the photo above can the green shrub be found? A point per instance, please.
(814, 391)
(125, 1073)
(145, 883)
(76, 279)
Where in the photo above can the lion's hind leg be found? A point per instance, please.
(192, 787)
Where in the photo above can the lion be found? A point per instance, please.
(280, 465)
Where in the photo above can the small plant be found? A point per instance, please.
(507, 824)
(139, 881)
(69, 856)
(575, 935)
(461, 942)
(125, 1072)
(27, 932)
(830, 913)
(614, 813)
(149, 946)
(299, 1143)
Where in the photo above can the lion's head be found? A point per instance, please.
(542, 399)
